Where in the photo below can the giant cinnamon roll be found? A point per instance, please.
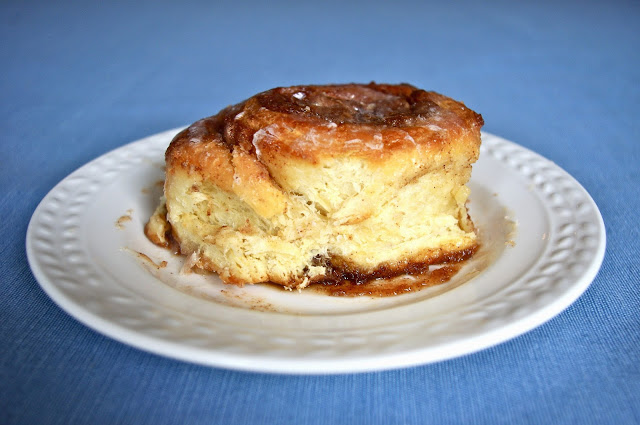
(313, 183)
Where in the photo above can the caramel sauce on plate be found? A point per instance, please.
(390, 286)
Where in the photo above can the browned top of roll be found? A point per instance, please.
(308, 123)
(371, 106)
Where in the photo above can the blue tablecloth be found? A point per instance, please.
(82, 78)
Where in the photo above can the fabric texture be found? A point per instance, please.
(560, 78)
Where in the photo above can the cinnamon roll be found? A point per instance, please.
(311, 183)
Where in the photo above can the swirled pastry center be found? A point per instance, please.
(375, 104)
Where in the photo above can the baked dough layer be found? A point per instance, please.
(307, 183)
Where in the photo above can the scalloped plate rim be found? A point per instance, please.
(313, 365)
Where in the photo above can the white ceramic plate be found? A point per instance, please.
(543, 241)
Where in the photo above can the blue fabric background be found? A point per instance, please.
(561, 78)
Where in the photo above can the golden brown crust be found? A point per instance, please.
(311, 122)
